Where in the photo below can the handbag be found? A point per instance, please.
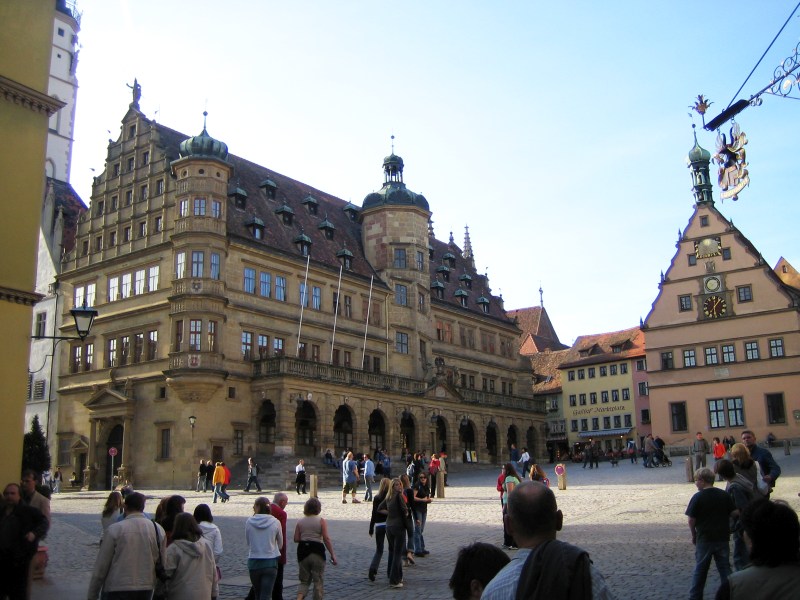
(161, 572)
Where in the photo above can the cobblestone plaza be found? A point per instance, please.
(630, 519)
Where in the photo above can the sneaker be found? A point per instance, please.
(513, 548)
(426, 552)
(506, 547)
(372, 575)
(396, 585)
(344, 501)
(356, 501)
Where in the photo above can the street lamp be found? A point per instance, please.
(84, 318)
(192, 421)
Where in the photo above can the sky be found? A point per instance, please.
(556, 131)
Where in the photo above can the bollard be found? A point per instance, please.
(787, 447)
(312, 491)
(561, 474)
(440, 485)
(689, 470)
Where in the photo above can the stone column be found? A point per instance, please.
(285, 425)
(125, 468)
(91, 468)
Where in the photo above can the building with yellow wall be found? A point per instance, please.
(723, 335)
(25, 108)
(598, 388)
(283, 320)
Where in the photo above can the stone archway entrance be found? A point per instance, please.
(491, 442)
(305, 419)
(530, 442)
(377, 432)
(266, 427)
(466, 435)
(408, 431)
(440, 443)
(512, 438)
(342, 429)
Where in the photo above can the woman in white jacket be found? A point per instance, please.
(264, 540)
(189, 562)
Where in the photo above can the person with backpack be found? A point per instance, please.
(741, 490)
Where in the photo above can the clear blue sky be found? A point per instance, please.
(557, 131)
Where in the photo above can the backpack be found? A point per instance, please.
(410, 470)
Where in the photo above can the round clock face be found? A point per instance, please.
(713, 284)
(714, 307)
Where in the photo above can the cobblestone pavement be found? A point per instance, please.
(630, 519)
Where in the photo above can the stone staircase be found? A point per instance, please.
(276, 473)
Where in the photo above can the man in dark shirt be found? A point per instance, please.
(21, 528)
(769, 468)
(709, 511)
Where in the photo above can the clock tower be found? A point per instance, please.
(722, 336)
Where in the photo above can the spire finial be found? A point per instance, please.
(541, 295)
(392, 143)
(205, 117)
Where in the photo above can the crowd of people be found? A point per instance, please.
(176, 554)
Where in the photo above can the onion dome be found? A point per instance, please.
(204, 146)
(394, 191)
(698, 153)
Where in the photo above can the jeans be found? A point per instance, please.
(397, 552)
(741, 557)
(252, 480)
(368, 482)
(419, 529)
(263, 580)
(218, 491)
(201, 482)
(703, 553)
(699, 460)
(380, 536)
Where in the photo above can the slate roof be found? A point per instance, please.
(279, 237)
(538, 333)
(67, 199)
(546, 371)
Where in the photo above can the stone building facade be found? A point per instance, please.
(283, 320)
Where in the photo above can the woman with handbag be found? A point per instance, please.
(311, 537)
(396, 510)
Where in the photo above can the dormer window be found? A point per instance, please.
(270, 188)
(239, 197)
(616, 348)
(327, 228)
(462, 296)
(351, 210)
(286, 213)
(256, 227)
(437, 289)
(483, 302)
(467, 280)
(444, 271)
(311, 204)
(449, 259)
(346, 258)
(303, 243)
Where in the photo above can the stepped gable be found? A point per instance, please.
(480, 283)
(599, 348)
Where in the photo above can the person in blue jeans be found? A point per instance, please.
(422, 497)
(264, 540)
(369, 477)
(709, 512)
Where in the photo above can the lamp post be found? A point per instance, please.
(192, 421)
(84, 319)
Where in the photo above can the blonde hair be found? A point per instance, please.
(740, 453)
(391, 492)
(384, 487)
